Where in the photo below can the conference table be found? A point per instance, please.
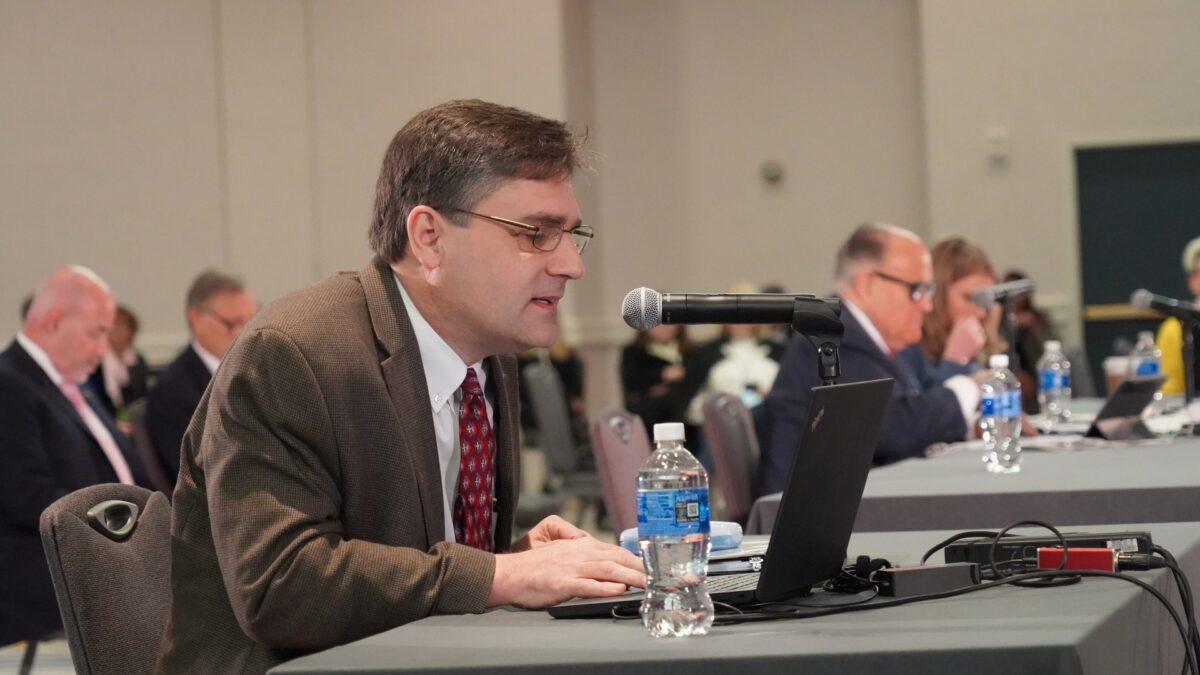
(1099, 482)
(1096, 626)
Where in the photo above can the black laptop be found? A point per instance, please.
(1120, 418)
(816, 512)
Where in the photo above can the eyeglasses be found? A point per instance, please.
(918, 291)
(544, 237)
(231, 325)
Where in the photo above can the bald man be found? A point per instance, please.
(885, 279)
(54, 438)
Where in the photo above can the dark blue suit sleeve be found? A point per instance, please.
(27, 485)
(931, 374)
(916, 419)
(783, 413)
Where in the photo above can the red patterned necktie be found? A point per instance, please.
(477, 448)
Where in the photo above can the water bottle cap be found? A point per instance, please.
(998, 361)
(668, 431)
(1053, 346)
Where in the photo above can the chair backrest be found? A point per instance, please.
(621, 446)
(729, 431)
(109, 549)
(145, 448)
(549, 403)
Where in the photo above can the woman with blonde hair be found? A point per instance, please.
(958, 335)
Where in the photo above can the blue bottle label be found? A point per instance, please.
(1147, 368)
(672, 513)
(1051, 380)
(1065, 378)
(1010, 405)
(988, 406)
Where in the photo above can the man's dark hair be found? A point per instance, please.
(25, 305)
(452, 155)
(211, 283)
(865, 245)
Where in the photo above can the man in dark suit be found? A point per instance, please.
(217, 308)
(885, 280)
(354, 465)
(54, 437)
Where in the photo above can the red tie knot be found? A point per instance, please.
(470, 385)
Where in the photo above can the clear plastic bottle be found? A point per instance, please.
(1000, 418)
(1146, 361)
(673, 535)
(1054, 384)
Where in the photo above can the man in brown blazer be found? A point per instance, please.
(354, 465)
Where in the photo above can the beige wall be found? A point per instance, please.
(1055, 75)
(150, 140)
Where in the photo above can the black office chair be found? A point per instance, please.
(109, 548)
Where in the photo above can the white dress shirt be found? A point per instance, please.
(444, 375)
(210, 361)
(91, 420)
(962, 386)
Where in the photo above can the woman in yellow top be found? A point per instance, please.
(1170, 332)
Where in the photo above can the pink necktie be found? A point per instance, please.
(100, 432)
(477, 448)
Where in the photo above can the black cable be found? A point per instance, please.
(958, 537)
(1189, 653)
(1185, 592)
(1035, 583)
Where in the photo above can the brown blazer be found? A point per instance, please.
(308, 511)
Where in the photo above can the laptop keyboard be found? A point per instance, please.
(732, 582)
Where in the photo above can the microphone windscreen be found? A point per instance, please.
(1141, 298)
(983, 298)
(642, 308)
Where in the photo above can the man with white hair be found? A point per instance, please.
(54, 438)
(885, 280)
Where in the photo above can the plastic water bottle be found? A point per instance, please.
(1000, 421)
(1054, 384)
(673, 534)
(1146, 361)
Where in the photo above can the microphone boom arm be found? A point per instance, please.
(819, 321)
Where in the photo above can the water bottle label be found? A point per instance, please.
(1010, 405)
(672, 513)
(988, 406)
(1051, 380)
(1147, 368)
(1065, 378)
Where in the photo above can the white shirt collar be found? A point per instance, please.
(40, 357)
(869, 327)
(210, 361)
(444, 370)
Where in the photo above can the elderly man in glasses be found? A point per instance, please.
(218, 305)
(885, 280)
(354, 464)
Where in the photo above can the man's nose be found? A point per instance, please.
(566, 261)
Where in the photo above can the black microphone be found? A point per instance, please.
(984, 298)
(645, 308)
(1180, 309)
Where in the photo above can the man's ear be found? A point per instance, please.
(425, 242)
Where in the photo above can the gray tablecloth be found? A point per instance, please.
(1113, 484)
(1098, 626)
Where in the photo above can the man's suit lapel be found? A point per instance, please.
(503, 372)
(404, 375)
(856, 337)
(49, 390)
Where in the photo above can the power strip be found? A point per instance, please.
(1015, 548)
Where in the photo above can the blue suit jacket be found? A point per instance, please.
(171, 404)
(915, 418)
(46, 451)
